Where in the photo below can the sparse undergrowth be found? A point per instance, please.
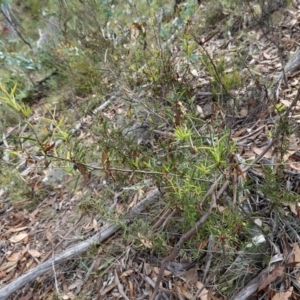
(175, 119)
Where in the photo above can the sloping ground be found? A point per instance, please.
(260, 180)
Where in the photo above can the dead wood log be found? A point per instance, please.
(75, 250)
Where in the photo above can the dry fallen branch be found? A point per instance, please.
(75, 250)
(94, 112)
(251, 287)
(187, 235)
(292, 66)
(176, 250)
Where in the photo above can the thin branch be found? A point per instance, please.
(186, 236)
(15, 28)
(251, 287)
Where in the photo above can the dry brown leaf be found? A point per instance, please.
(194, 72)
(34, 213)
(191, 276)
(244, 112)
(106, 165)
(91, 225)
(293, 22)
(288, 154)
(166, 272)
(283, 295)
(134, 201)
(204, 295)
(75, 284)
(248, 155)
(200, 111)
(16, 229)
(7, 265)
(263, 68)
(286, 103)
(266, 56)
(96, 226)
(108, 289)
(292, 207)
(34, 253)
(120, 208)
(120, 286)
(181, 289)
(126, 273)
(25, 241)
(293, 142)
(49, 235)
(83, 170)
(270, 277)
(131, 289)
(17, 256)
(258, 151)
(138, 196)
(221, 208)
(296, 253)
(68, 296)
(2, 274)
(147, 269)
(48, 147)
(295, 166)
(287, 250)
(144, 241)
(202, 245)
(134, 32)
(11, 268)
(30, 264)
(19, 237)
(239, 132)
(212, 297)
(28, 296)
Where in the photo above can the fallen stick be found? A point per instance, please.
(186, 236)
(292, 66)
(94, 112)
(251, 287)
(75, 250)
(183, 239)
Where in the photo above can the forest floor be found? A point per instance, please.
(105, 181)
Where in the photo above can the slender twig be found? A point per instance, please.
(55, 278)
(15, 28)
(293, 104)
(290, 227)
(120, 286)
(186, 236)
(214, 67)
(162, 219)
(276, 134)
(124, 170)
(251, 287)
(211, 244)
(152, 283)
